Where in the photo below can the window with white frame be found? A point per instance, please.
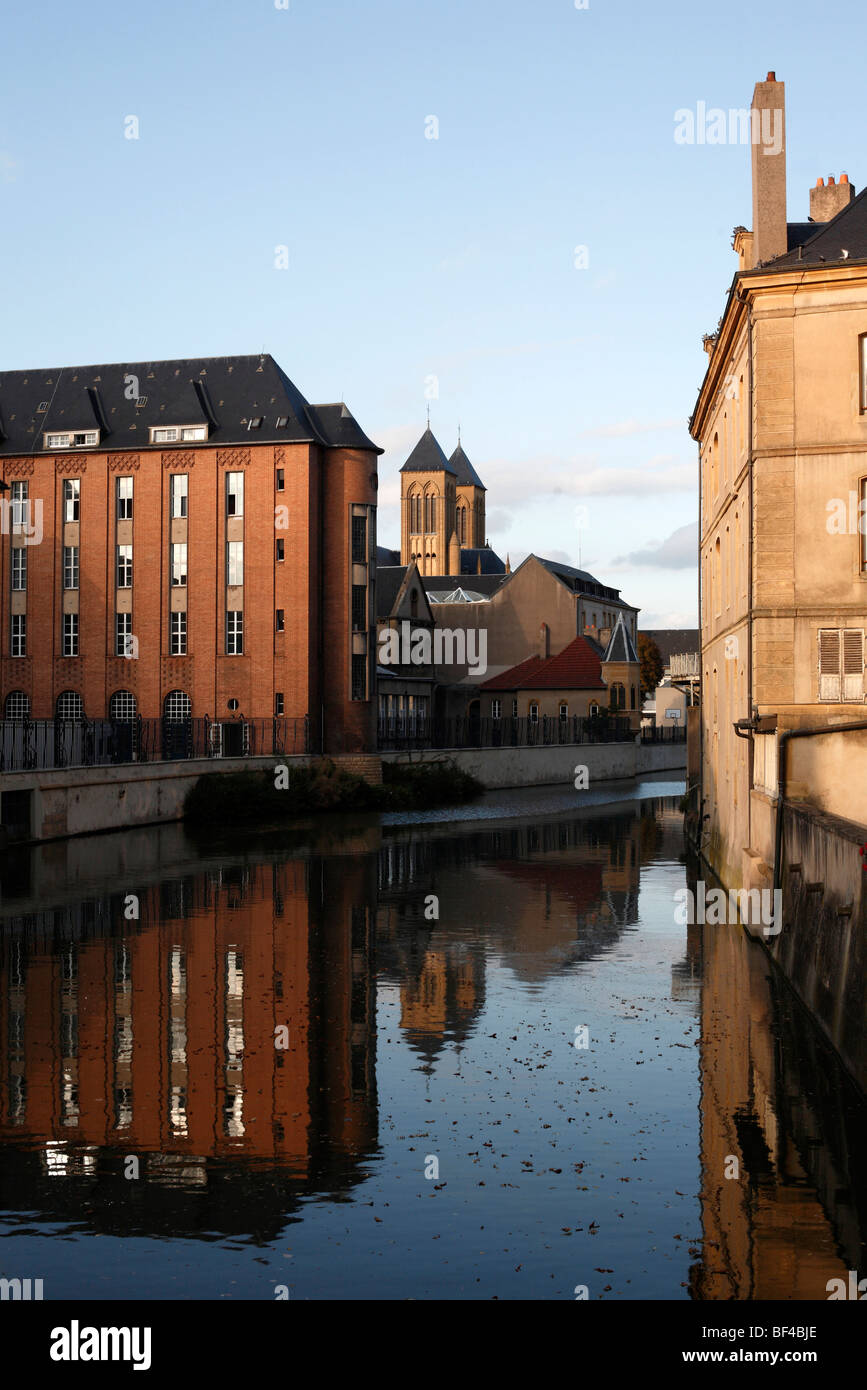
(17, 705)
(70, 567)
(841, 665)
(124, 566)
(496, 709)
(179, 489)
(179, 565)
(234, 563)
(862, 521)
(20, 505)
(534, 712)
(564, 711)
(19, 634)
(123, 494)
(70, 705)
(234, 494)
(71, 498)
(72, 439)
(122, 634)
(515, 709)
(178, 434)
(178, 634)
(19, 567)
(70, 634)
(234, 632)
(178, 706)
(123, 706)
(862, 343)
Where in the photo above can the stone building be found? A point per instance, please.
(442, 505)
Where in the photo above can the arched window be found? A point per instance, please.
(123, 706)
(594, 710)
(461, 526)
(413, 604)
(534, 712)
(178, 705)
(415, 513)
(17, 705)
(430, 513)
(70, 705)
(618, 696)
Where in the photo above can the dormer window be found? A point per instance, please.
(72, 439)
(178, 434)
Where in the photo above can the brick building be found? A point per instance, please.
(187, 539)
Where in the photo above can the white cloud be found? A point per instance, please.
(679, 551)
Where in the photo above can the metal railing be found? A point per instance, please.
(397, 735)
(54, 743)
(664, 733)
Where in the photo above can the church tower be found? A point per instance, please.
(427, 507)
(470, 502)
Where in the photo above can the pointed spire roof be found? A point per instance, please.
(427, 456)
(463, 469)
(621, 647)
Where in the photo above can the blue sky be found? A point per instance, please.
(412, 258)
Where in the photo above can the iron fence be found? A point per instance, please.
(402, 734)
(56, 743)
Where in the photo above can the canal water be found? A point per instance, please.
(472, 1056)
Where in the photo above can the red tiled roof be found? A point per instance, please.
(577, 667)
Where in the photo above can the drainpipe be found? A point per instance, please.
(785, 738)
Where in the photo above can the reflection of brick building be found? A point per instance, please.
(207, 548)
(160, 1039)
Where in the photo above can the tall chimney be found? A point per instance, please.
(770, 232)
(826, 200)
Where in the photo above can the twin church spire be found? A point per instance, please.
(442, 511)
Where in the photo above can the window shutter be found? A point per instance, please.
(829, 664)
(853, 665)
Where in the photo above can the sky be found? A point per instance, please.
(476, 206)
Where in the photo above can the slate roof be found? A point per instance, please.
(579, 581)
(675, 641)
(388, 581)
(845, 232)
(125, 399)
(491, 562)
(384, 556)
(427, 456)
(486, 584)
(621, 646)
(464, 471)
(577, 667)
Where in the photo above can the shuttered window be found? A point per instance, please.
(841, 665)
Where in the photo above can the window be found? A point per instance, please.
(177, 705)
(461, 527)
(359, 677)
(359, 539)
(281, 550)
(234, 494)
(514, 709)
(174, 434)
(496, 709)
(234, 633)
(234, 563)
(19, 634)
(178, 560)
(862, 517)
(863, 346)
(70, 567)
(71, 497)
(123, 706)
(430, 514)
(20, 506)
(72, 439)
(124, 499)
(278, 703)
(124, 566)
(70, 705)
(19, 567)
(534, 712)
(617, 696)
(593, 710)
(122, 634)
(841, 665)
(281, 480)
(177, 634)
(415, 513)
(179, 485)
(359, 608)
(632, 697)
(17, 705)
(70, 634)
(564, 711)
(280, 621)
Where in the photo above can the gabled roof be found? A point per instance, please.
(389, 579)
(427, 456)
(384, 556)
(464, 471)
(845, 232)
(621, 646)
(124, 400)
(674, 641)
(393, 596)
(579, 581)
(577, 667)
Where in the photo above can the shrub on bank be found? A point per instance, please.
(230, 797)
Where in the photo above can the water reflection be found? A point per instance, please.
(146, 1023)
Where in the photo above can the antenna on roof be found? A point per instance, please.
(459, 433)
(428, 414)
